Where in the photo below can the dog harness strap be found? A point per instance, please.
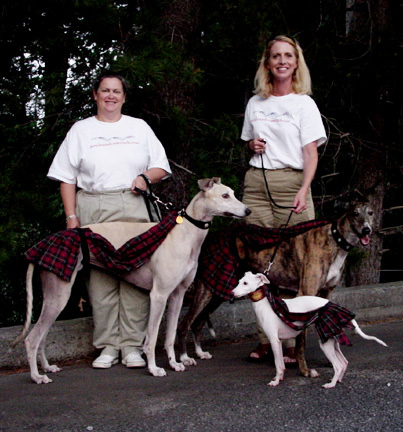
(196, 223)
(339, 239)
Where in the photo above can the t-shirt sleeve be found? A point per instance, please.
(247, 129)
(158, 158)
(64, 167)
(312, 128)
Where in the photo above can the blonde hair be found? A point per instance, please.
(301, 80)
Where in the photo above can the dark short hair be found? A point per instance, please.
(109, 74)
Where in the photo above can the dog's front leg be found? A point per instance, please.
(300, 352)
(174, 308)
(157, 307)
(278, 361)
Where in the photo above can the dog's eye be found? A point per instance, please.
(371, 213)
(245, 283)
(225, 196)
(356, 213)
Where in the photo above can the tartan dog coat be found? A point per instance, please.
(59, 252)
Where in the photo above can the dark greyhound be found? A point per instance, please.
(309, 261)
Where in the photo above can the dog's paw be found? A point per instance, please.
(204, 355)
(178, 367)
(40, 379)
(157, 371)
(329, 385)
(52, 369)
(188, 361)
(313, 373)
(274, 383)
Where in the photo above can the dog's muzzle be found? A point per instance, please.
(364, 237)
(366, 231)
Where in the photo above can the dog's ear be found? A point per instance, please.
(263, 279)
(205, 184)
(348, 201)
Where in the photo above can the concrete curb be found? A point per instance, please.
(72, 339)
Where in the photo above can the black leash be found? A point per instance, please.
(268, 190)
(266, 272)
(151, 199)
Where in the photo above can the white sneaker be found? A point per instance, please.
(104, 361)
(133, 360)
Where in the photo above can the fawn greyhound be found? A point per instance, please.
(167, 274)
(310, 263)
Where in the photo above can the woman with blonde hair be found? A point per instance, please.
(282, 129)
(301, 82)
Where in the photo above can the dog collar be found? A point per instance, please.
(339, 239)
(195, 222)
(258, 295)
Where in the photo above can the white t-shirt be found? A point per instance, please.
(99, 156)
(287, 123)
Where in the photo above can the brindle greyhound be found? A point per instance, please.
(310, 263)
(168, 274)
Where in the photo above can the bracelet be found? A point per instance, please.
(146, 178)
(73, 216)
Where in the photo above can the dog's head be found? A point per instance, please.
(249, 283)
(361, 217)
(220, 200)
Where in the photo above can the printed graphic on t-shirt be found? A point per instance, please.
(273, 117)
(111, 141)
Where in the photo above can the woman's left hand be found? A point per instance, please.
(300, 202)
(139, 183)
(310, 156)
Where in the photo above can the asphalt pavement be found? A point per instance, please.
(227, 394)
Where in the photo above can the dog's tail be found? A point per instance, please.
(211, 327)
(28, 318)
(358, 330)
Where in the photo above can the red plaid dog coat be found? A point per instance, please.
(58, 253)
(220, 267)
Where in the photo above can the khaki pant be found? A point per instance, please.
(120, 310)
(283, 186)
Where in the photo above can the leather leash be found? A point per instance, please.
(267, 271)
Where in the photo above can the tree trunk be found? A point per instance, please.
(177, 93)
(367, 23)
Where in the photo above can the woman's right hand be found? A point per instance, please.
(73, 223)
(257, 145)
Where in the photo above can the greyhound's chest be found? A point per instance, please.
(335, 269)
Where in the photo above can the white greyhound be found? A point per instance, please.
(168, 274)
(276, 329)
